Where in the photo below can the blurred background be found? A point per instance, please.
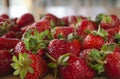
(60, 8)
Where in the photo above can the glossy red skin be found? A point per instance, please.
(65, 31)
(112, 68)
(115, 22)
(65, 21)
(84, 54)
(111, 33)
(25, 19)
(117, 49)
(5, 61)
(85, 25)
(20, 48)
(8, 43)
(39, 66)
(76, 69)
(50, 17)
(92, 41)
(57, 48)
(15, 28)
(72, 19)
(42, 25)
(74, 47)
(9, 34)
(5, 16)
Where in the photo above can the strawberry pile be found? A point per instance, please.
(72, 47)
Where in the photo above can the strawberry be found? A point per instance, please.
(5, 61)
(57, 47)
(9, 34)
(72, 20)
(25, 19)
(92, 41)
(54, 21)
(112, 67)
(74, 47)
(95, 40)
(75, 68)
(109, 21)
(111, 33)
(84, 26)
(30, 66)
(64, 21)
(8, 43)
(42, 25)
(5, 16)
(64, 31)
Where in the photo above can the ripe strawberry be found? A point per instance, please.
(92, 41)
(64, 31)
(25, 19)
(54, 21)
(9, 34)
(5, 61)
(109, 21)
(112, 67)
(42, 25)
(111, 33)
(57, 47)
(5, 16)
(74, 47)
(72, 20)
(75, 68)
(30, 66)
(8, 43)
(64, 21)
(84, 26)
(20, 48)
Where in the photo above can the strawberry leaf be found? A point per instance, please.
(102, 32)
(63, 58)
(22, 65)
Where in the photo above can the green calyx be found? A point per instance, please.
(106, 19)
(99, 18)
(62, 61)
(97, 58)
(117, 38)
(4, 28)
(21, 65)
(35, 41)
(101, 32)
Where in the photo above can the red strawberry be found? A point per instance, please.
(57, 47)
(111, 33)
(84, 26)
(92, 41)
(20, 48)
(64, 21)
(74, 47)
(25, 19)
(42, 25)
(9, 34)
(109, 21)
(5, 61)
(112, 67)
(72, 20)
(5, 16)
(52, 19)
(64, 31)
(76, 68)
(33, 66)
(84, 54)
(8, 43)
